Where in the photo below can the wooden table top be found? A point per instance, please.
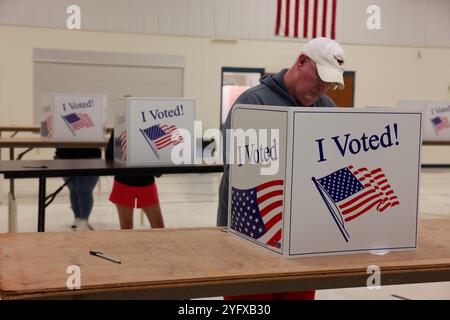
(92, 167)
(29, 128)
(436, 143)
(196, 262)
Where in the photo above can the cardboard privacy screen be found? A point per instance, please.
(73, 116)
(323, 181)
(147, 129)
(436, 115)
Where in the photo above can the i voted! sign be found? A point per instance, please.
(147, 129)
(347, 181)
(73, 116)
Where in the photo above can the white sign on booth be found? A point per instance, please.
(347, 180)
(73, 116)
(147, 129)
(436, 115)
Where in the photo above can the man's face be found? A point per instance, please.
(310, 87)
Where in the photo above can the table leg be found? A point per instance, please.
(11, 181)
(1, 178)
(41, 209)
(142, 217)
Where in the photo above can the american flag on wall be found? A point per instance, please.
(257, 212)
(306, 19)
(349, 193)
(440, 123)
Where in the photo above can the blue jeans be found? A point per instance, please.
(81, 197)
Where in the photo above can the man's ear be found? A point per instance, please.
(301, 60)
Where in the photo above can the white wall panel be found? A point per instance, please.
(8, 12)
(261, 19)
(24, 14)
(402, 22)
(90, 17)
(271, 18)
(42, 13)
(194, 20)
(151, 16)
(236, 18)
(136, 16)
(208, 19)
(113, 74)
(438, 23)
(221, 12)
(59, 15)
(249, 16)
(340, 19)
(106, 15)
(165, 16)
(120, 14)
(180, 17)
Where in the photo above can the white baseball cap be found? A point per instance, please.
(329, 58)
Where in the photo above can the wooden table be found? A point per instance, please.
(16, 129)
(31, 129)
(43, 169)
(198, 262)
(39, 142)
(436, 143)
(30, 143)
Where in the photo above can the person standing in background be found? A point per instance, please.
(80, 187)
(129, 192)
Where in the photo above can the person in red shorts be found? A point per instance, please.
(129, 192)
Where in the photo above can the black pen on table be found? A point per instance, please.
(101, 255)
(36, 167)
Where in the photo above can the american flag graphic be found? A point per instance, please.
(439, 123)
(77, 120)
(349, 193)
(162, 135)
(120, 146)
(47, 127)
(306, 19)
(257, 212)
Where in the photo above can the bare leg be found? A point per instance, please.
(154, 216)
(125, 216)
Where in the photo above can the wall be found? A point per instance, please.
(403, 22)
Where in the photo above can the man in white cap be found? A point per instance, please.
(318, 69)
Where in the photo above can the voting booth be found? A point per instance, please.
(147, 130)
(320, 181)
(436, 115)
(73, 116)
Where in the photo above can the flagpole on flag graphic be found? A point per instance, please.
(150, 143)
(68, 125)
(333, 211)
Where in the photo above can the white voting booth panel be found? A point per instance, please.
(146, 130)
(436, 115)
(328, 181)
(73, 116)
